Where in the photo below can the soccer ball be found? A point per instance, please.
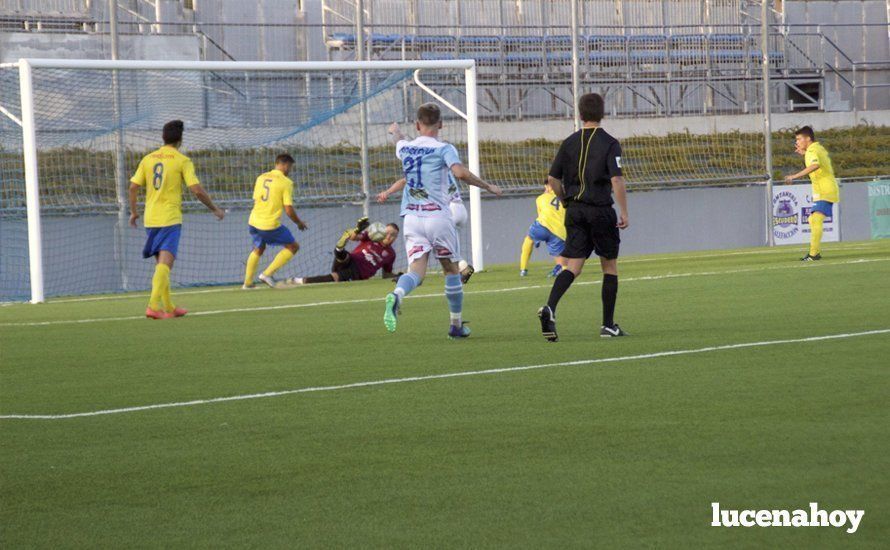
(376, 232)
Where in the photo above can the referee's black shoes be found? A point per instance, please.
(611, 332)
(548, 324)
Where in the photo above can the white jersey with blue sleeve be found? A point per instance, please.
(427, 163)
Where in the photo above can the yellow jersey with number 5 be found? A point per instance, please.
(162, 173)
(271, 193)
(551, 214)
(824, 185)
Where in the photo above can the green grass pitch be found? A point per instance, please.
(626, 453)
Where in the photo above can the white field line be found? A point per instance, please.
(703, 256)
(439, 295)
(388, 381)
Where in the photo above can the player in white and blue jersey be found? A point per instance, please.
(429, 228)
(459, 214)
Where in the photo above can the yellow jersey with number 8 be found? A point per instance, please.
(271, 193)
(162, 173)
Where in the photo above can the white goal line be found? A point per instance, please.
(181, 291)
(797, 265)
(388, 381)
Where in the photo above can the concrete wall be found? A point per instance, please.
(213, 252)
(16, 45)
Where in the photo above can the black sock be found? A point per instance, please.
(340, 256)
(610, 294)
(319, 279)
(560, 285)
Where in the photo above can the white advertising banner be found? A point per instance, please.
(792, 205)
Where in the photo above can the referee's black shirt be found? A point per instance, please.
(586, 163)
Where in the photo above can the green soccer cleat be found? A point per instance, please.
(391, 312)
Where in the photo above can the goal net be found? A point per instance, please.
(74, 131)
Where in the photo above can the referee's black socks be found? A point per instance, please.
(560, 285)
(610, 294)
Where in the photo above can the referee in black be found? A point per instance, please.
(585, 172)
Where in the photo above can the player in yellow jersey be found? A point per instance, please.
(273, 194)
(549, 227)
(162, 173)
(825, 189)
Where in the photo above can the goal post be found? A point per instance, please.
(236, 114)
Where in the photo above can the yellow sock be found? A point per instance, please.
(162, 275)
(816, 219)
(280, 259)
(527, 246)
(165, 292)
(253, 261)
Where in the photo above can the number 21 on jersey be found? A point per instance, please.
(411, 166)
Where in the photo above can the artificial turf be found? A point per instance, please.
(628, 453)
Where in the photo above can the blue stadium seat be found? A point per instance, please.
(727, 40)
(521, 40)
(559, 57)
(606, 40)
(727, 56)
(648, 40)
(436, 56)
(431, 39)
(480, 40)
(559, 40)
(343, 37)
(649, 56)
(523, 58)
(688, 56)
(606, 58)
(386, 38)
(687, 40)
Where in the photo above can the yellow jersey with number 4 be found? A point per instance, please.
(271, 193)
(824, 185)
(162, 173)
(551, 214)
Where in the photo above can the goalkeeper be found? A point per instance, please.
(364, 261)
(825, 189)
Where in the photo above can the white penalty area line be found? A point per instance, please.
(629, 260)
(439, 295)
(389, 381)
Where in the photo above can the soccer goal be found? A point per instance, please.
(73, 131)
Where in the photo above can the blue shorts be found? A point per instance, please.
(280, 235)
(541, 234)
(823, 207)
(162, 238)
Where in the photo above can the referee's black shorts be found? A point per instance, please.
(591, 229)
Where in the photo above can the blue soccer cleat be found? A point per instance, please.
(392, 310)
(458, 332)
(556, 271)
